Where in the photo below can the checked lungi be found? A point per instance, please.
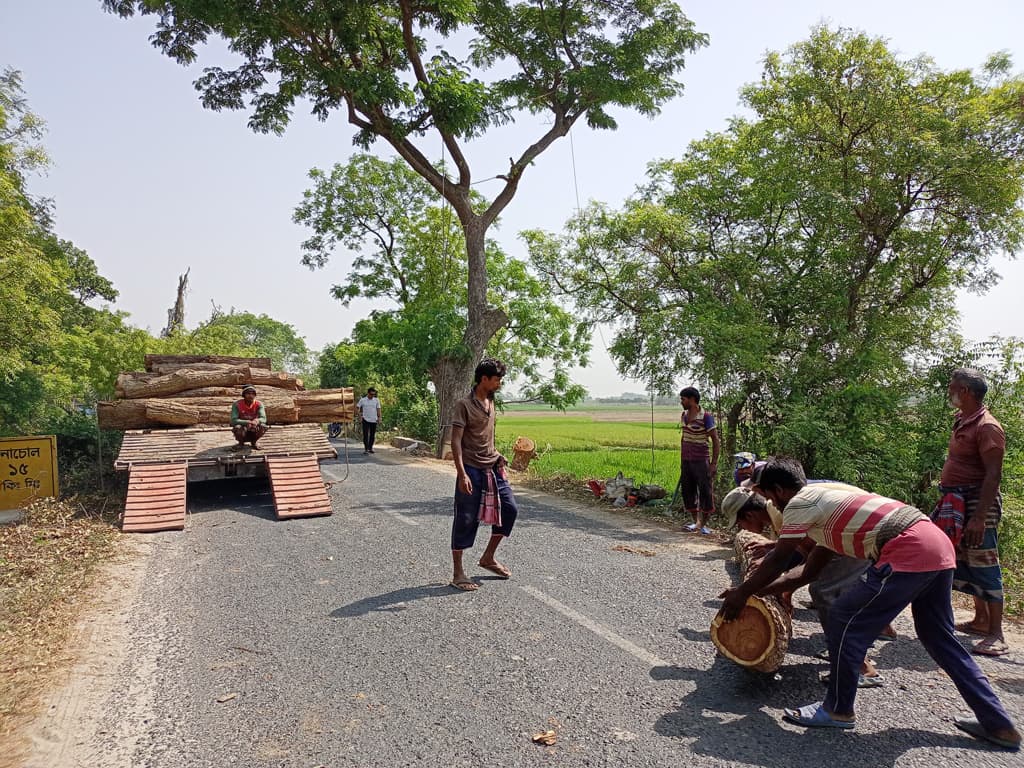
(977, 569)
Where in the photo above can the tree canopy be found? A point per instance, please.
(408, 253)
(801, 262)
(495, 60)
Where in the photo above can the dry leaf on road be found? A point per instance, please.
(547, 738)
(226, 697)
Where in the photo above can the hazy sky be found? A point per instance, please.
(150, 183)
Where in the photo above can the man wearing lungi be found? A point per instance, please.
(913, 564)
(482, 492)
(970, 486)
(248, 417)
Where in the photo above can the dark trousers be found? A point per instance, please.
(467, 508)
(861, 613)
(696, 479)
(369, 434)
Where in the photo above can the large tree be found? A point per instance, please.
(59, 351)
(799, 261)
(563, 61)
(408, 252)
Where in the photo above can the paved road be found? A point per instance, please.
(343, 646)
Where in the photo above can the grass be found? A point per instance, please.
(47, 562)
(596, 444)
(584, 447)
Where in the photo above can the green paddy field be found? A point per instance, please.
(598, 441)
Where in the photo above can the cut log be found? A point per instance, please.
(235, 392)
(343, 396)
(171, 413)
(184, 361)
(759, 637)
(280, 379)
(172, 383)
(165, 368)
(313, 414)
(524, 450)
(122, 414)
(157, 412)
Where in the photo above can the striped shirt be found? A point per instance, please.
(844, 518)
(696, 434)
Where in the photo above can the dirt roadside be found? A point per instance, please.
(65, 730)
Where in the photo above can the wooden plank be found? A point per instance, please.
(298, 487)
(156, 498)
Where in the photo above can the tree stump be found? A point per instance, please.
(524, 450)
(759, 637)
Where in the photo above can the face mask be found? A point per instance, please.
(954, 401)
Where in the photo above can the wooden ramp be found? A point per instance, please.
(156, 498)
(298, 487)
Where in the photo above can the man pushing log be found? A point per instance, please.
(913, 565)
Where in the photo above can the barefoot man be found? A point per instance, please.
(482, 492)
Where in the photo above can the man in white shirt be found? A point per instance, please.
(369, 411)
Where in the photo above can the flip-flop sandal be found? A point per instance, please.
(500, 572)
(863, 681)
(690, 528)
(990, 646)
(705, 531)
(969, 629)
(815, 716)
(973, 728)
(465, 585)
(884, 637)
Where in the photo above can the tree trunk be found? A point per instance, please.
(453, 375)
(452, 379)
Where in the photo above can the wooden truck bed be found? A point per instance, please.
(210, 446)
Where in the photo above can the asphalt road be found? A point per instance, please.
(337, 642)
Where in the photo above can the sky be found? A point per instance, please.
(150, 183)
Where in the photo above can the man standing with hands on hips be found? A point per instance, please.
(369, 411)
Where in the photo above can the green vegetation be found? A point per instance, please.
(380, 66)
(62, 347)
(802, 265)
(582, 447)
(410, 253)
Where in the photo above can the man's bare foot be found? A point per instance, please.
(464, 584)
(496, 568)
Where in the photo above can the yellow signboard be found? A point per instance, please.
(28, 470)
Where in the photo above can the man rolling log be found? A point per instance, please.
(913, 565)
(248, 417)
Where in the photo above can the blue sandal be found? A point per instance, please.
(815, 716)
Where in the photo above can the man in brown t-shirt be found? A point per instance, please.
(970, 482)
(482, 492)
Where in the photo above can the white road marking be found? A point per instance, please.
(598, 629)
(399, 516)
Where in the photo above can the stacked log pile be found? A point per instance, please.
(190, 390)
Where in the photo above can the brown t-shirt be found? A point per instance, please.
(477, 432)
(972, 435)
